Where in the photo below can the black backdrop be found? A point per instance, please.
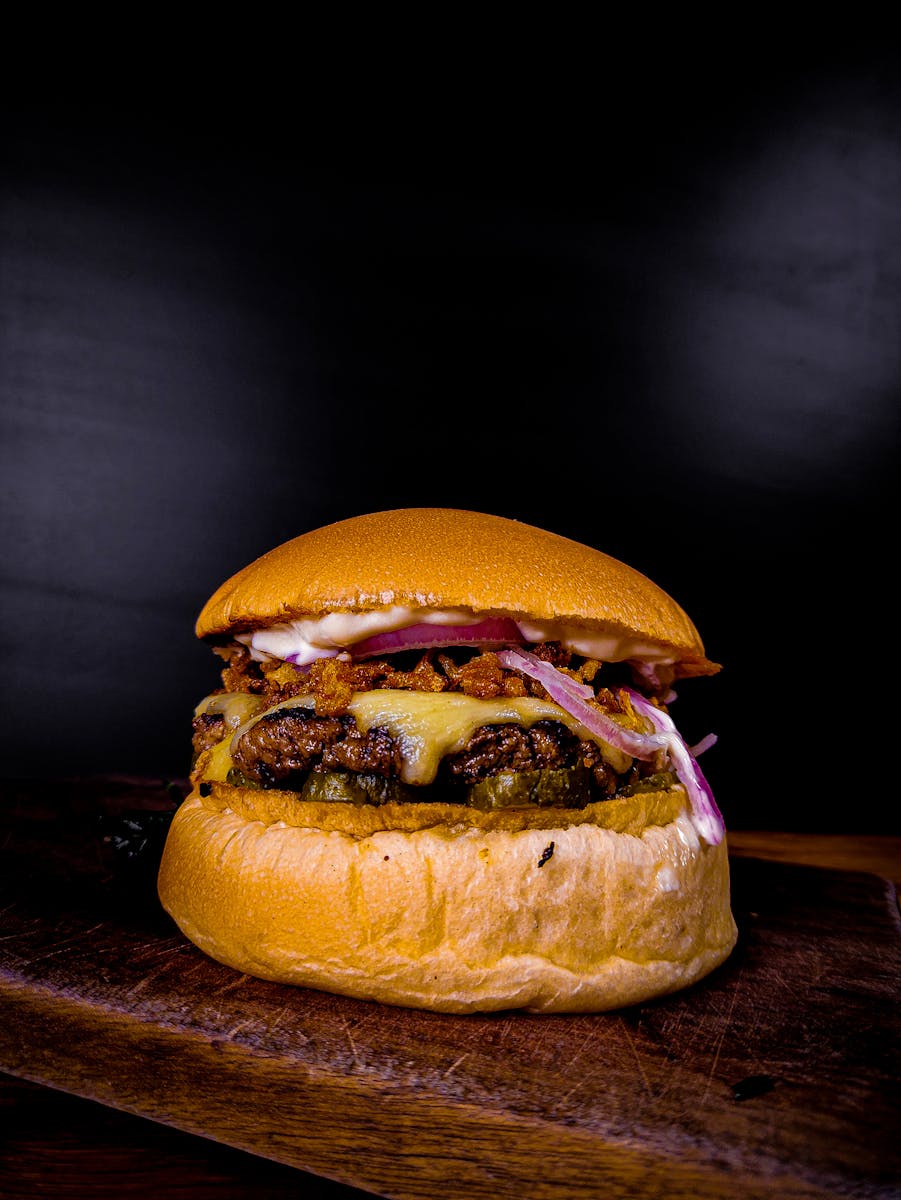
(657, 312)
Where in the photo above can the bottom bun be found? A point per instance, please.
(452, 917)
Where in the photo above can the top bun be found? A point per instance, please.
(451, 558)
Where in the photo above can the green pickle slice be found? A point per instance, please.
(660, 781)
(345, 788)
(568, 787)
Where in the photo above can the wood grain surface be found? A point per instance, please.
(57, 1145)
(879, 854)
(775, 1076)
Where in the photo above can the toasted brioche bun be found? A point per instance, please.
(450, 559)
(450, 910)
(442, 906)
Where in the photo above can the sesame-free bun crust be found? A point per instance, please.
(451, 558)
(450, 916)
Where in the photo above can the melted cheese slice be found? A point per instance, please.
(426, 725)
(236, 707)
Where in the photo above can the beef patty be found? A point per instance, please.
(283, 746)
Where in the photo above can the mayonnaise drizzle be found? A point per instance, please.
(309, 638)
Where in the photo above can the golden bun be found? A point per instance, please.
(453, 914)
(452, 558)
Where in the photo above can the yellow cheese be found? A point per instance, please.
(235, 707)
(429, 725)
(218, 762)
(426, 725)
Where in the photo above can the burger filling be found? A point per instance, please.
(455, 724)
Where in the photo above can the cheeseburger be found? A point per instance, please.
(441, 772)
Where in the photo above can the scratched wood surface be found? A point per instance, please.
(776, 1076)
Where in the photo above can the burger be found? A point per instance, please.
(441, 772)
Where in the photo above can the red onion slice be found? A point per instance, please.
(703, 745)
(491, 632)
(573, 696)
(708, 820)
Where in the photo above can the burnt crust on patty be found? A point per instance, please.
(209, 730)
(283, 746)
(294, 742)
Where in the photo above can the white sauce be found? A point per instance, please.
(310, 638)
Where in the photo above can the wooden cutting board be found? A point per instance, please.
(777, 1076)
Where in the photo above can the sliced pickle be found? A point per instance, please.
(236, 778)
(660, 781)
(348, 788)
(568, 787)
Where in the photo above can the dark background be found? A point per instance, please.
(654, 306)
